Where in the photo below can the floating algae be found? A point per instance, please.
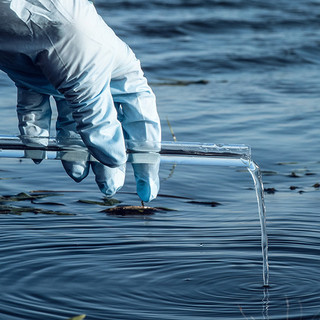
(20, 210)
(22, 196)
(48, 203)
(134, 210)
(6, 208)
(105, 202)
(100, 203)
(270, 190)
(294, 175)
(206, 203)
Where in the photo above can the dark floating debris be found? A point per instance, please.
(111, 201)
(134, 210)
(18, 197)
(23, 197)
(55, 192)
(269, 173)
(316, 185)
(5, 208)
(293, 175)
(100, 203)
(10, 210)
(105, 202)
(293, 187)
(20, 210)
(48, 203)
(206, 203)
(270, 190)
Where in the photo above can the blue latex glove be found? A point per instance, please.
(62, 48)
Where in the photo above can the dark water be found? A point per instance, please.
(259, 62)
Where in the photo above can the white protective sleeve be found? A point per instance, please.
(66, 43)
(63, 48)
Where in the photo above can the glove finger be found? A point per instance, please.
(137, 110)
(34, 117)
(109, 180)
(147, 179)
(136, 107)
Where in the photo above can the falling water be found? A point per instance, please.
(257, 178)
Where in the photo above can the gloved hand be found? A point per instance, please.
(100, 91)
(34, 114)
(109, 180)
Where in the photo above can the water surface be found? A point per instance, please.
(258, 67)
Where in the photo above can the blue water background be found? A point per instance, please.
(258, 63)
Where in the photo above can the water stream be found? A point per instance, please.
(257, 178)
